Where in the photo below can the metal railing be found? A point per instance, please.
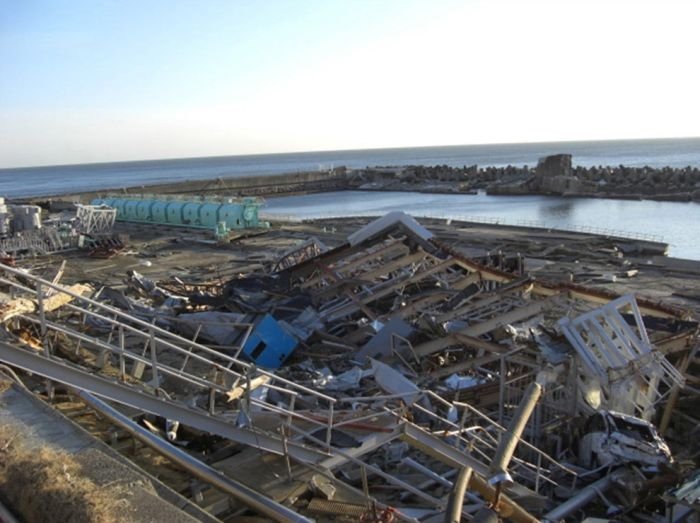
(482, 438)
(459, 217)
(145, 347)
(133, 343)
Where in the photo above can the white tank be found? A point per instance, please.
(26, 218)
(5, 218)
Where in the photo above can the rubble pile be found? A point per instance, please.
(390, 378)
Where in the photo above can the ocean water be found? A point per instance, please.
(675, 223)
(41, 181)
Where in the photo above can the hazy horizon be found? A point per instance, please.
(222, 156)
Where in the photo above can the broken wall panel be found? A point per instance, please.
(633, 374)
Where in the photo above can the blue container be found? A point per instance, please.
(269, 345)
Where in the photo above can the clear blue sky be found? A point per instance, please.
(84, 81)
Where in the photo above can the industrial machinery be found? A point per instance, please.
(218, 214)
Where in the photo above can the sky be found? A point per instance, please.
(95, 80)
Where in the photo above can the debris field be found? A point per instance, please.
(386, 374)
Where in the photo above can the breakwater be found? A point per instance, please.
(264, 185)
(554, 175)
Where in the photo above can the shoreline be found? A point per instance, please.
(554, 175)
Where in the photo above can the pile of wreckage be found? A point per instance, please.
(24, 233)
(387, 379)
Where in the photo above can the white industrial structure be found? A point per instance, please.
(95, 219)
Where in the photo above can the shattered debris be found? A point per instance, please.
(389, 378)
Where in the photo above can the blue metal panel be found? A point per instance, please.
(269, 345)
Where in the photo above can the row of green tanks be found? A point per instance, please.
(215, 213)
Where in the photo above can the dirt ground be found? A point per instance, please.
(47, 486)
(619, 266)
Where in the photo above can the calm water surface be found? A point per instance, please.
(677, 223)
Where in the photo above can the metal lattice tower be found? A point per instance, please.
(95, 219)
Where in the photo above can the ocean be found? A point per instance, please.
(674, 222)
(64, 179)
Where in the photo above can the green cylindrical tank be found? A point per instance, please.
(159, 212)
(143, 211)
(231, 215)
(250, 215)
(206, 213)
(190, 214)
(131, 210)
(173, 212)
(209, 214)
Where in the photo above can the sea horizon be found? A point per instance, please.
(353, 150)
(23, 182)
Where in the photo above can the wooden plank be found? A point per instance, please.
(20, 306)
(238, 391)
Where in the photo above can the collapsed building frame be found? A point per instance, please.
(408, 312)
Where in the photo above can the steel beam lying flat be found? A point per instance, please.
(393, 265)
(477, 329)
(246, 495)
(369, 444)
(366, 298)
(121, 393)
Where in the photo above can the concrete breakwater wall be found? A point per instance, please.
(291, 183)
(554, 175)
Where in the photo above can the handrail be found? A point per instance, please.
(492, 446)
(530, 446)
(496, 425)
(228, 372)
(489, 220)
(148, 326)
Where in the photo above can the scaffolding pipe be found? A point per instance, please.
(6, 516)
(252, 499)
(510, 438)
(434, 476)
(582, 498)
(486, 515)
(453, 514)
